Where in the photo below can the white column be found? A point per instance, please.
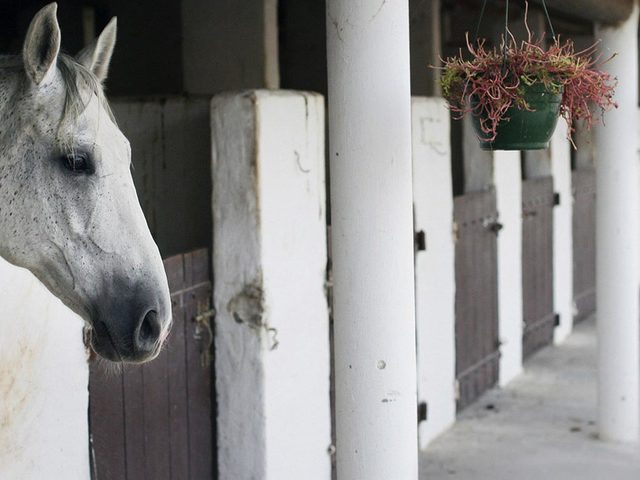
(435, 266)
(507, 178)
(617, 241)
(372, 244)
(562, 232)
(270, 259)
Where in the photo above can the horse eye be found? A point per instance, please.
(77, 163)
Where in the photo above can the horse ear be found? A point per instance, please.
(42, 44)
(97, 55)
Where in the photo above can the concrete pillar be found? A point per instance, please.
(507, 179)
(372, 244)
(435, 267)
(617, 241)
(562, 232)
(269, 264)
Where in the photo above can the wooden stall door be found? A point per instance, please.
(537, 264)
(153, 421)
(584, 242)
(477, 354)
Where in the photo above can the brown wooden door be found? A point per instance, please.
(477, 355)
(584, 242)
(153, 421)
(537, 264)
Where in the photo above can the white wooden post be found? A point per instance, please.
(372, 239)
(269, 264)
(617, 241)
(435, 266)
(507, 178)
(562, 232)
(43, 382)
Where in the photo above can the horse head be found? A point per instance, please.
(69, 212)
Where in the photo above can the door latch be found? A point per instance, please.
(203, 332)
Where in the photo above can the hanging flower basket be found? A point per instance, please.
(522, 129)
(516, 92)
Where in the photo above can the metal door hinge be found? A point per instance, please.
(203, 332)
(423, 411)
(420, 239)
(556, 199)
(556, 320)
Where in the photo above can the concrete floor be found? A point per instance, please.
(540, 427)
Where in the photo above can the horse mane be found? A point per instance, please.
(74, 77)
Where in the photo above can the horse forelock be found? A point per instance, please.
(77, 81)
(74, 77)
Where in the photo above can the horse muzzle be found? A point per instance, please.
(123, 337)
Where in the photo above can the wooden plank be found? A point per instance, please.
(609, 12)
(162, 410)
(477, 357)
(106, 422)
(537, 263)
(134, 413)
(178, 396)
(199, 389)
(156, 419)
(174, 267)
(584, 238)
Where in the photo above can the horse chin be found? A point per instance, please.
(102, 344)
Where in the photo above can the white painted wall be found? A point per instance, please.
(507, 180)
(269, 257)
(562, 233)
(43, 383)
(435, 267)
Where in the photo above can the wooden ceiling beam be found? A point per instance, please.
(601, 11)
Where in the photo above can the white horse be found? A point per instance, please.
(68, 207)
(70, 217)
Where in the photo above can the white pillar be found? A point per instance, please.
(270, 259)
(617, 241)
(507, 178)
(372, 244)
(435, 266)
(562, 232)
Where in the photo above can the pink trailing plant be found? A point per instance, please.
(494, 80)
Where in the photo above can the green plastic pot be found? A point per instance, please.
(524, 129)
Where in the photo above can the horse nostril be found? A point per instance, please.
(148, 332)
